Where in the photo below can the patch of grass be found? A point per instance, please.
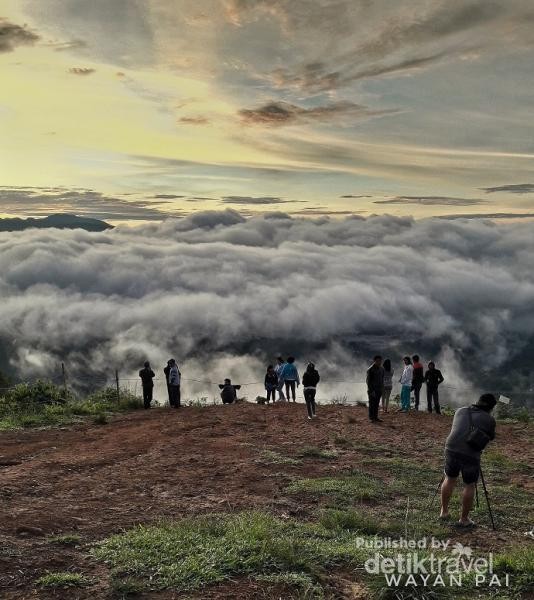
(342, 441)
(511, 505)
(403, 591)
(407, 476)
(494, 458)
(66, 539)
(519, 562)
(313, 452)
(347, 489)
(126, 587)
(496, 464)
(198, 551)
(351, 520)
(305, 584)
(63, 580)
(341, 400)
(197, 402)
(274, 458)
(191, 553)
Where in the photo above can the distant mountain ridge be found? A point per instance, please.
(59, 221)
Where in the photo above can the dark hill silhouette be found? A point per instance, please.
(58, 221)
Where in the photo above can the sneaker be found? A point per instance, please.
(309, 418)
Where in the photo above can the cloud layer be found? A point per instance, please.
(226, 294)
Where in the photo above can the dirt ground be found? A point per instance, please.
(95, 480)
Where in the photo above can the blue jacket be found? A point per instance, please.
(289, 373)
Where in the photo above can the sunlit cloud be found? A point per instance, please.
(398, 103)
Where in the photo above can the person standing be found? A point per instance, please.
(271, 383)
(147, 375)
(290, 376)
(388, 384)
(280, 363)
(418, 378)
(433, 378)
(174, 384)
(375, 387)
(166, 371)
(473, 427)
(310, 379)
(406, 384)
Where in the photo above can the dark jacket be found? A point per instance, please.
(310, 378)
(271, 381)
(147, 375)
(418, 375)
(228, 393)
(433, 378)
(167, 370)
(375, 379)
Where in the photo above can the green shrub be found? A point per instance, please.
(44, 404)
(100, 418)
(34, 395)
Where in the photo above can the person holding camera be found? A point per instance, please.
(473, 427)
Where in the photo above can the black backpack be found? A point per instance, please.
(476, 438)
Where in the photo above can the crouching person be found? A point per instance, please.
(473, 428)
(228, 392)
(310, 379)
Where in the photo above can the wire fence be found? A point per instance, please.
(337, 391)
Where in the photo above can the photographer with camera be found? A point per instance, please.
(473, 428)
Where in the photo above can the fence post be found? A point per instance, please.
(64, 376)
(118, 389)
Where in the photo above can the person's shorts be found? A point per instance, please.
(468, 466)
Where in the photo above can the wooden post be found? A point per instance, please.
(118, 389)
(64, 379)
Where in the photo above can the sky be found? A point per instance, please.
(134, 110)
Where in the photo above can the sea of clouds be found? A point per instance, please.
(225, 295)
